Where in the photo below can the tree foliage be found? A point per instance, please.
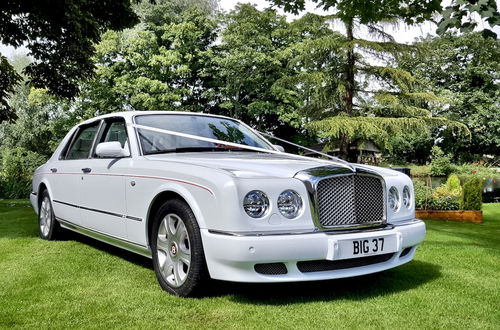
(351, 88)
(465, 70)
(154, 65)
(459, 14)
(250, 59)
(60, 36)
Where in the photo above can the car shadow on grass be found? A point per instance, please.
(110, 249)
(403, 278)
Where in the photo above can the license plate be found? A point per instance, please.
(356, 248)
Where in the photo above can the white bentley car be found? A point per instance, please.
(206, 196)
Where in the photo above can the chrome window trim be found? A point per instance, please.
(311, 177)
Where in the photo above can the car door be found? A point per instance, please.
(66, 173)
(103, 201)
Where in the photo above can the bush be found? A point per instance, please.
(472, 195)
(452, 187)
(18, 165)
(422, 194)
(441, 164)
(444, 197)
(446, 203)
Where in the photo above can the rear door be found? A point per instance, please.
(66, 174)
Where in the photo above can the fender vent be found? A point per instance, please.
(326, 265)
(276, 268)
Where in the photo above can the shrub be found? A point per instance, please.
(441, 164)
(472, 194)
(444, 197)
(446, 203)
(452, 187)
(422, 194)
(18, 165)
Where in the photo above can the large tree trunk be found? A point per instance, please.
(350, 88)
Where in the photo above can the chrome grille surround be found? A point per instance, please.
(345, 198)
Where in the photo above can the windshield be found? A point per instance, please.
(202, 126)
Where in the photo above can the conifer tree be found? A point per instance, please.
(350, 87)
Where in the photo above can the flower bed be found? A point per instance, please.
(450, 201)
(456, 215)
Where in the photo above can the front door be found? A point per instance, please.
(103, 201)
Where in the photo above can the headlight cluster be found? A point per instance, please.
(256, 204)
(395, 200)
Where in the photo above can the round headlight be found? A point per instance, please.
(289, 204)
(394, 201)
(406, 197)
(256, 204)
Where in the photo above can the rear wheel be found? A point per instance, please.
(178, 256)
(48, 227)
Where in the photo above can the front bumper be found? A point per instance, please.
(233, 257)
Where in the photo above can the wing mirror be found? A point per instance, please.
(111, 150)
(278, 147)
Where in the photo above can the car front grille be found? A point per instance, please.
(350, 200)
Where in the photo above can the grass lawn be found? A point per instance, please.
(454, 282)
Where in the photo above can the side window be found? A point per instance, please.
(115, 131)
(83, 142)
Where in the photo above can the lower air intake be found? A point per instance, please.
(276, 268)
(326, 265)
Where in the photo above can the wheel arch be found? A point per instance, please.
(42, 186)
(166, 195)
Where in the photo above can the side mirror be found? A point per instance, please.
(111, 150)
(278, 147)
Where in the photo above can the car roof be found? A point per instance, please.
(128, 115)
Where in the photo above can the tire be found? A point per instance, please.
(178, 257)
(48, 227)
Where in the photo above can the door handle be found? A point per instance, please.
(86, 170)
(53, 170)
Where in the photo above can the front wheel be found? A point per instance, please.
(178, 257)
(48, 227)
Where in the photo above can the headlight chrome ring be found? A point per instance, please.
(256, 204)
(290, 204)
(394, 201)
(406, 197)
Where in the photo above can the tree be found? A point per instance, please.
(159, 65)
(60, 36)
(465, 70)
(9, 78)
(462, 15)
(250, 60)
(349, 96)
